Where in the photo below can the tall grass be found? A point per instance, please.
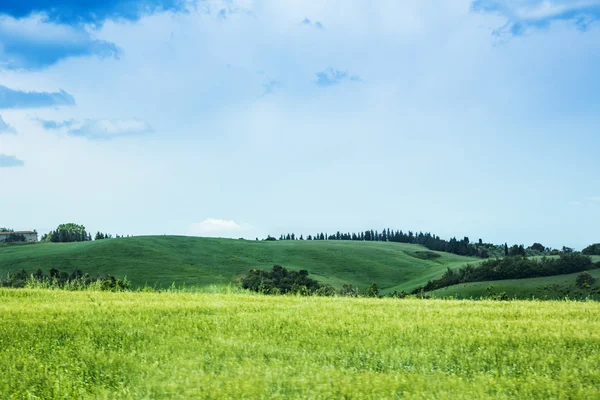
(87, 344)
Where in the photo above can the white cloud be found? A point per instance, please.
(215, 227)
(108, 129)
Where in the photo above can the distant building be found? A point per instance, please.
(30, 236)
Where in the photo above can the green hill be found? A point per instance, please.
(551, 287)
(198, 262)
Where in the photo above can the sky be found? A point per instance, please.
(243, 118)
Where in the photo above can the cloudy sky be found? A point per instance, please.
(243, 118)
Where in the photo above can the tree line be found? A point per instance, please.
(57, 279)
(512, 267)
(70, 232)
(463, 247)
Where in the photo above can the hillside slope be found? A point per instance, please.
(551, 287)
(163, 260)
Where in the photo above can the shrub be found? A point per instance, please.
(348, 290)
(279, 281)
(56, 279)
(372, 291)
(584, 280)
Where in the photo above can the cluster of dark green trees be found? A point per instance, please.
(102, 236)
(432, 242)
(66, 233)
(512, 267)
(282, 281)
(60, 279)
(593, 250)
(463, 247)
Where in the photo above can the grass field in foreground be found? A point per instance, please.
(198, 262)
(57, 344)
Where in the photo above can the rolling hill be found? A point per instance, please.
(551, 287)
(199, 262)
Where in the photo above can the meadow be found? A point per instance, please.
(59, 344)
(202, 262)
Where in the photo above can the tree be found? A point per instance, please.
(348, 290)
(538, 247)
(584, 280)
(593, 250)
(372, 291)
(279, 281)
(517, 251)
(69, 232)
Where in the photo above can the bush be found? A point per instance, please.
(584, 280)
(56, 279)
(372, 291)
(348, 290)
(280, 281)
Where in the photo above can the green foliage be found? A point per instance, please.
(517, 251)
(593, 250)
(6, 230)
(102, 236)
(56, 279)
(348, 290)
(67, 233)
(513, 268)
(98, 345)
(540, 248)
(372, 291)
(556, 287)
(279, 281)
(585, 280)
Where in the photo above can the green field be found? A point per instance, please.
(200, 262)
(551, 287)
(58, 344)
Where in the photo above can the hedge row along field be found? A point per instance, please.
(58, 344)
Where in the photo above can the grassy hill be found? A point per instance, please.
(163, 260)
(551, 287)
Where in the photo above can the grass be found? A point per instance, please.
(57, 344)
(551, 287)
(201, 262)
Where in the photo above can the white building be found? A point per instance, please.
(30, 236)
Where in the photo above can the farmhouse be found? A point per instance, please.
(30, 236)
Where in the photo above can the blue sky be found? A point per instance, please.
(242, 118)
